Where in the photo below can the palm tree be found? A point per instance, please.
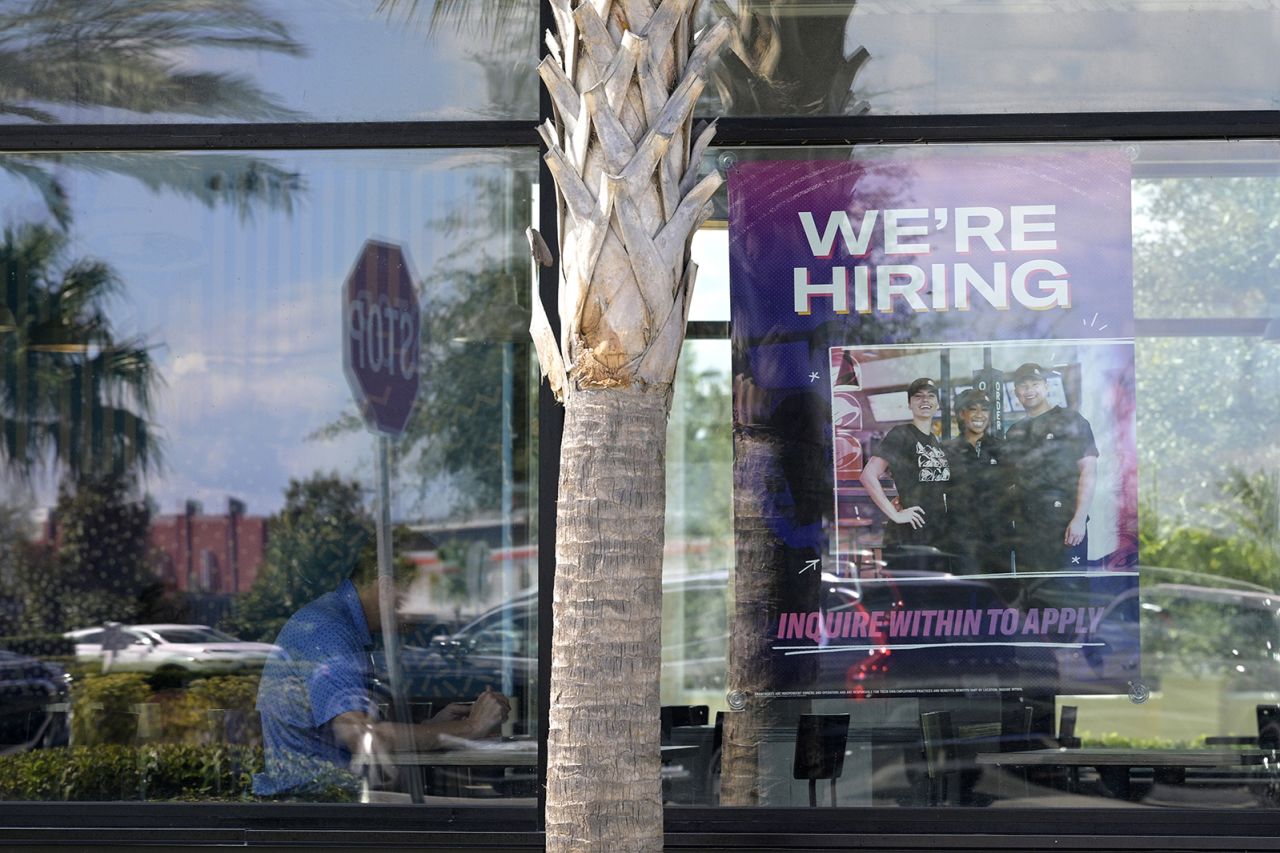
(119, 54)
(242, 183)
(72, 395)
(620, 151)
(781, 63)
(1255, 514)
(788, 59)
(785, 59)
(459, 15)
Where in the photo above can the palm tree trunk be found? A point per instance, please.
(755, 578)
(623, 80)
(603, 786)
(768, 579)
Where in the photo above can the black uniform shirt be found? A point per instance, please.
(919, 468)
(1046, 451)
(979, 476)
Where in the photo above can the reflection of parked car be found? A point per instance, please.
(695, 638)
(496, 649)
(190, 648)
(423, 629)
(500, 646)
(1212, 633)
(1210, 656)
(34, 697)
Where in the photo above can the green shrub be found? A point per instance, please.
(39, 645)
(108, 772)
(116, 772)
(104, 708)
(121, 708)
(216, 710)
(1112, 740)
(238, 692)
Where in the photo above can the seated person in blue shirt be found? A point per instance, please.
(314, 701)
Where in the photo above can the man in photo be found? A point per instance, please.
(1055, 463)
(913, 456)
(320, 717)
(978, 500)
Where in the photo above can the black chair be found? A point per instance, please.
(1268, 717)
(1067, 739)
(1067, 728)
(937, 737)
(821, 740)
(688, 744)
(675, 716)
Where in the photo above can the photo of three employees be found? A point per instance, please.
(1018, 481)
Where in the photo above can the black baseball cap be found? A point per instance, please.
(972, 397)
(1031, 370)
(924, 383)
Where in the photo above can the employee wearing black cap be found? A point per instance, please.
(1055, 466)
(914, 457)
(978, 500)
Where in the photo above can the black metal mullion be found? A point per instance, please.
(238, 137)
(706, 330)
(998, 127)
(763, 131)
(550, 432)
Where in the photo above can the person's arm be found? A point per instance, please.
(870, 479)
(362, 734)
(1088, 467)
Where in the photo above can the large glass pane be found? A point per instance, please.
(101, 61)
(191, 604)
(922, 57)
(868, 670)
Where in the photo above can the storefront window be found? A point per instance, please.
(195, 343)
(99, 61)
(937, 57)
(1130, 659)
(189, 481)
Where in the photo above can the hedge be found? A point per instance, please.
(111, 772)
(111, 708)
(104, 708)
(115, 772)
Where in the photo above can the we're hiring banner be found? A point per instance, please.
(934, 415)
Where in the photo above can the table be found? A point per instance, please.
(500, 754)
(448, 772)
(521, 756)
(519, 753)
(1113, 765)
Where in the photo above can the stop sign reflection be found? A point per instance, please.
(381, 324)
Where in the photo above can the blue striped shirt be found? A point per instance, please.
(322, 670)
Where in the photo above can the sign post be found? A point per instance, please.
(382, 325)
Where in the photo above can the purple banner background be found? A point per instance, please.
(781, 363)
(1090, 190)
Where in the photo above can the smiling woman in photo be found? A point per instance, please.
(913, 456)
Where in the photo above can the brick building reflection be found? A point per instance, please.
(214, 554)
(193, 552)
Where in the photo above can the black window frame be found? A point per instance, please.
(271, 826)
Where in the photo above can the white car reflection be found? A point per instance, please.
(176, 648)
